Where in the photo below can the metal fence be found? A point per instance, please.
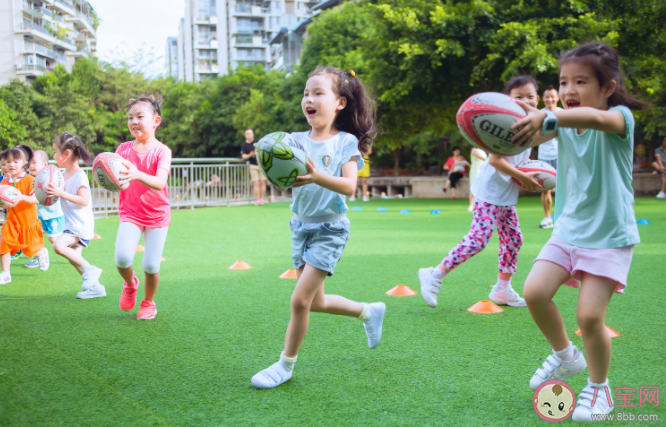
(192, 183)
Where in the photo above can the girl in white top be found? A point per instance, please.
(496, 196)
(595, 228)
(342, 120)
(77, 207)
(478, 157)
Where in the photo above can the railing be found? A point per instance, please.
(61, 58)
(36, 48)
(85, 18)
(192, 183)
(33, 67)
(59, 18)
(64, 3)
(28, 25)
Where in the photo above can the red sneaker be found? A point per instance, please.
(128, 297)
(147, 310)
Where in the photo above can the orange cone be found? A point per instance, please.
(162, 259)
(240, 265)
(611, 332)
(139, 248)
(289, 274)
(485, 306)
(401, 291)
(97, 237)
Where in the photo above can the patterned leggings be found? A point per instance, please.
(486, 218)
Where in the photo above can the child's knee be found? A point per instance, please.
(300, 303)
(589, 319)
(151, 267)
(124, 259)
(532, 292)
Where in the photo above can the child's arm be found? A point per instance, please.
(80, 198)
(345, 184)
(527, 179)
(479, 154)
(609, 121)
(157, 182)
(28, 199)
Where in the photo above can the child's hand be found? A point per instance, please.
(529, 181)
(310, 178)
(127, 176)
(54, 191)
(529, 126)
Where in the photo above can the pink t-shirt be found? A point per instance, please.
(139, 204)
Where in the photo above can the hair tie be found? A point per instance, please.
(152, 98)
(351, 73)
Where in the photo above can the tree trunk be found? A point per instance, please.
(396, 162)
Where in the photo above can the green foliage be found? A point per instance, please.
(10, 129)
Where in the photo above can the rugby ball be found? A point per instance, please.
(547, 176)
(485, 120)
(281, 158)
(8, 196)
(47, 176)
(106, 171)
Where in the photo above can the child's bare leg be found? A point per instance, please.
(152, 281)
(593, 299)
(310, 280)
(63, 247)
(6, 261)
(335, 304)
(540, 287)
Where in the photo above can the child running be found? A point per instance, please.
(144, 207)
(22, 230)
(496, 195)
(77, 207)
(51, 217)
(595, 229)
(341, 116)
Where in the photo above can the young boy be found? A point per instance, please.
(52, 218)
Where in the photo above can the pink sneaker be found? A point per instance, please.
(147, 310)
(128, 297)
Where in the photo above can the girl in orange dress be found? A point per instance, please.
(22, 230)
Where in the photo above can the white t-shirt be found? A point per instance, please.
(311, 200)
(548, 150)
(79, 219)
(494, 187)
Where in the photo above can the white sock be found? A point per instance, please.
(439, 273)
(287, 362)
(86, 267)
(365, 313)
(567, 354)
(503, 283)
(602, 385)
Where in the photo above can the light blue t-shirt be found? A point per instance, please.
(50, 212)
(311, 200)
(594, 202)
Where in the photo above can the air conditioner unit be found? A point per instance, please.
(18, 66)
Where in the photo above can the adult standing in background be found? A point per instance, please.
(478, 157)
(364, 174)
(249, 153)
(659, 165)
(548, 154)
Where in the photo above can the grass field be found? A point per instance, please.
(69, 362)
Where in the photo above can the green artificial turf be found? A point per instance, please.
(70, 362)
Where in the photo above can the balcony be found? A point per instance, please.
(62, 59)
(81, 53)
(82, 22)
(65, 7)
(207, 69)
(35, 30)
(250, 10)
(31, 48)
(65, 43)
(31, 69)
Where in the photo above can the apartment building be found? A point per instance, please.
(38, 35)
(171, 57)
(218, 35)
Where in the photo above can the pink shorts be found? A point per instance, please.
(612, 263)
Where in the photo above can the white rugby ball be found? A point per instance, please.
(106, 171)
(47, 176)
(8, 196)
(282, 159)
(547, 175)
(485, 120)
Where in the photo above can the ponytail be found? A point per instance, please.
(359, 116)
(67, 141)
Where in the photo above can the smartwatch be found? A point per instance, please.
(550, 122)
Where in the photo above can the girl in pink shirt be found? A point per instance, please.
(144, 206)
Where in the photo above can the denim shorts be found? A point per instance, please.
(318, 243)
(82, 242)
(553, 162)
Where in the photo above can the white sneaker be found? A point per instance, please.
(593, 401)
(43, 259)
(91, 277)
(373, 323)
(272, 376)
(429, 286)
(5, 278)
(352, 198)
(661, 195)
(95, 291)
(470, 209)
(555, 369)
(366, 199)
(506, 296)
(546, 223)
